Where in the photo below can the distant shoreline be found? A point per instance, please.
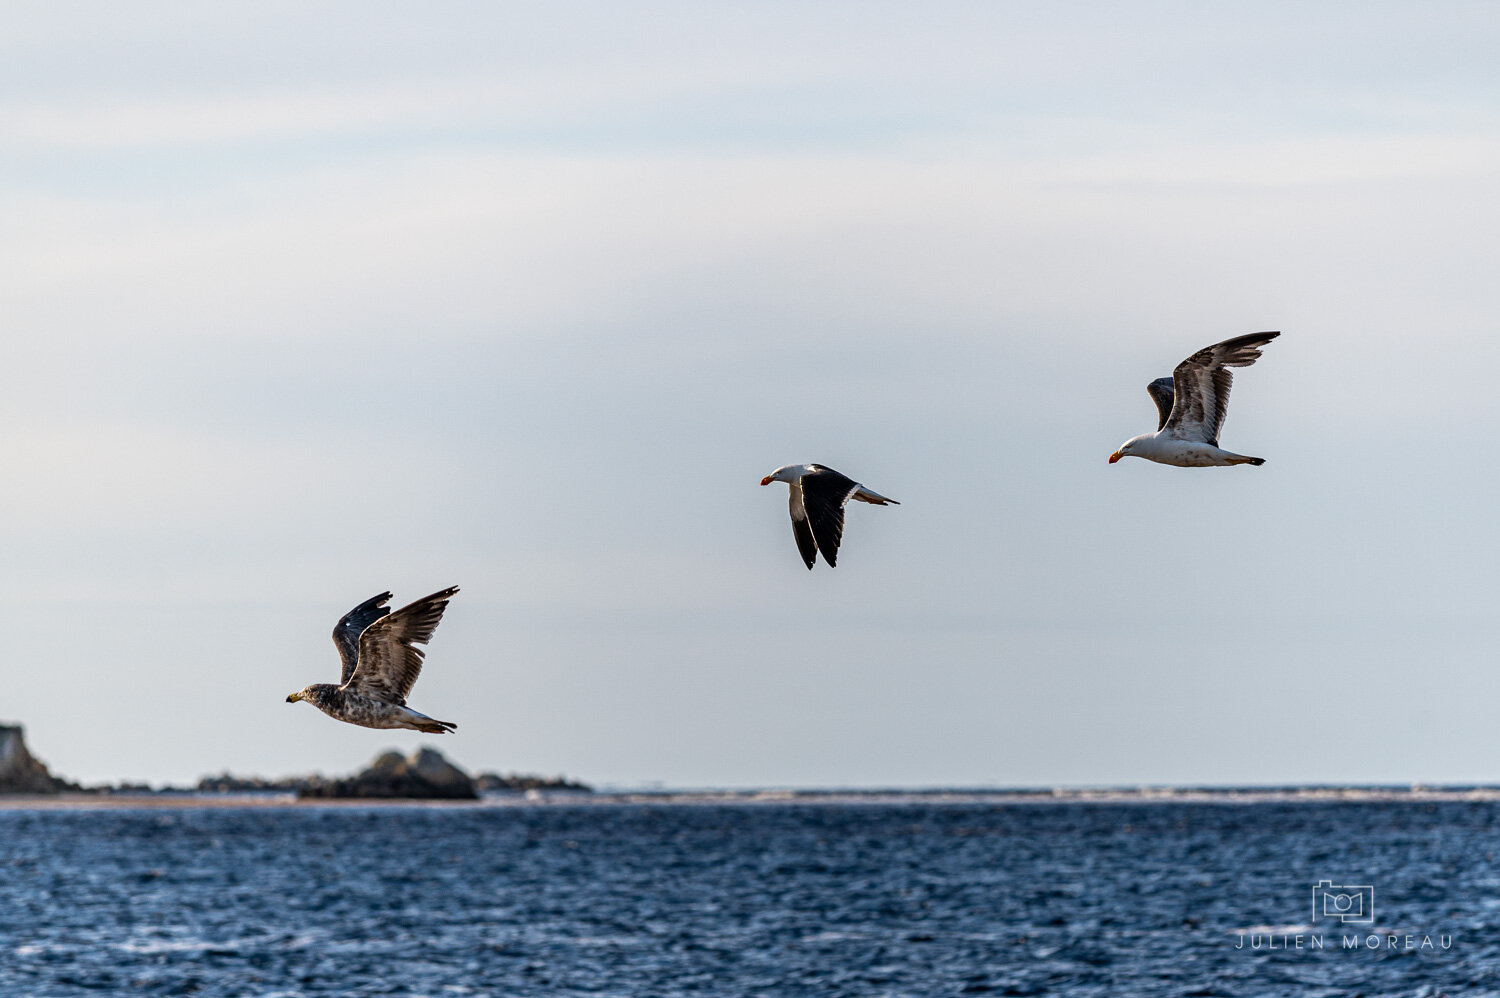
(615, 798)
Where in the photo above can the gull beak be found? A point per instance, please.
(293, 697)
(766, 480)
(1115, 457)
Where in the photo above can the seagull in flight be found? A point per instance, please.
(1192, 404)
(817, 499)
(381, 663)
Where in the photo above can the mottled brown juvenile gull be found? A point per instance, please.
(818, 495)
(380, 664)
(1191, 405)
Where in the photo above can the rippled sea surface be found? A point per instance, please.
(795, 898)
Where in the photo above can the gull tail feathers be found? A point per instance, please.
(873, 498)
(418, 721)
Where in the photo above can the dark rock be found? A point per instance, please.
(389, 767)
(520, 783)
(426, 775)
(20, 771)
(430, 765)
(228, 783)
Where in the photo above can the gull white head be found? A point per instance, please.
(1132, 447)
(791, 474)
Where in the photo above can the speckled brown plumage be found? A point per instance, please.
(380, 664)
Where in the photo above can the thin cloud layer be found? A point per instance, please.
(307, 303)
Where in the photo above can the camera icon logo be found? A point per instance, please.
(1348, 904)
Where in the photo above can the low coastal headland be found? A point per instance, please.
(423, 775)
(427, 775)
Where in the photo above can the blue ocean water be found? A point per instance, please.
(793, 898)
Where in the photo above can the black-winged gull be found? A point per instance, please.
(817, 498)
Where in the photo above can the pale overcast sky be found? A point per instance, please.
(302, 302)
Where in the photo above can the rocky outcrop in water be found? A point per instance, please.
(520, 783)
(20, 771)
(424, 775)
(314, 785)
(228, 783)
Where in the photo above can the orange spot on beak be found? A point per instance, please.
(1114, 457)
(766, 480)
